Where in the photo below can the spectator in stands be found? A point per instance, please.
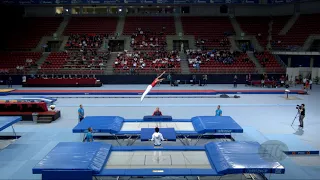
(235, 79)
(157, 112)
(81, 113)
(218, 111)
(89, 135)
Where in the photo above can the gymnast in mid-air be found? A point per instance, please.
(154, 83)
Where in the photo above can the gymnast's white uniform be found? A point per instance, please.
(154, 83)
(157, 138)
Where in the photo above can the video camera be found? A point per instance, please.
(298, 107)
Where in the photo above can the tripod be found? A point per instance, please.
(295, 117)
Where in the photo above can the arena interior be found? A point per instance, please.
(259, 60)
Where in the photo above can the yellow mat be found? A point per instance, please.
(6, 90)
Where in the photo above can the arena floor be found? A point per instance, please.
(268, 114)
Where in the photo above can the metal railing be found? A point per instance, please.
(145, 71)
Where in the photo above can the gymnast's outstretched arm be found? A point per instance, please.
(161, 75)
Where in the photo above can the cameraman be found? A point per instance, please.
(302, 113)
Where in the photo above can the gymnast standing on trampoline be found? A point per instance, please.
(157, 137)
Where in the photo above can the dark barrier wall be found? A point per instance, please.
(147, 79)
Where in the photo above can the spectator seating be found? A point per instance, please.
(269, 62)
(254, 26)
(84, 41)
(211, 29)
(240, 64)
(151, 24)
(29, 32)
(10, 60)
(297, 35)
(278, 24)
(147, 63)
(91, 25)
(73, 62)
(55, 60)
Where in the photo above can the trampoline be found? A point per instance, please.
(171, 129)
(82, 161)
(6, 121)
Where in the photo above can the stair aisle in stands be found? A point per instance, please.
(255, 61)
(178, 24)
(40, 62)
(110, 63)
(120, 25)
(236, 26)
(184, 63)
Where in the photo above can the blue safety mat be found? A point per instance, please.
(215, 124)
(240, 157)
(168, 133)
(202, 125)
(101, 124)
(6, 121)
(225, 158)
(75, 156)
(157, 118)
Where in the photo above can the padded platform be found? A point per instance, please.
(8, 121)
(215, 124)
(101, 124)
(214, 159)
(168, 133)
(201, 125)
(76, 157)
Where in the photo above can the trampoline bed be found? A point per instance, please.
(81, 161)
(170, 128)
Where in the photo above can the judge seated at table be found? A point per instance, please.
(157, 112)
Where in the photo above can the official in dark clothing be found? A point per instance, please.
(235, 78)
(157, 112)
(302, 112)
(9, 82)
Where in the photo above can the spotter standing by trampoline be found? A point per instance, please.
(157, 137)
(154, 83)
